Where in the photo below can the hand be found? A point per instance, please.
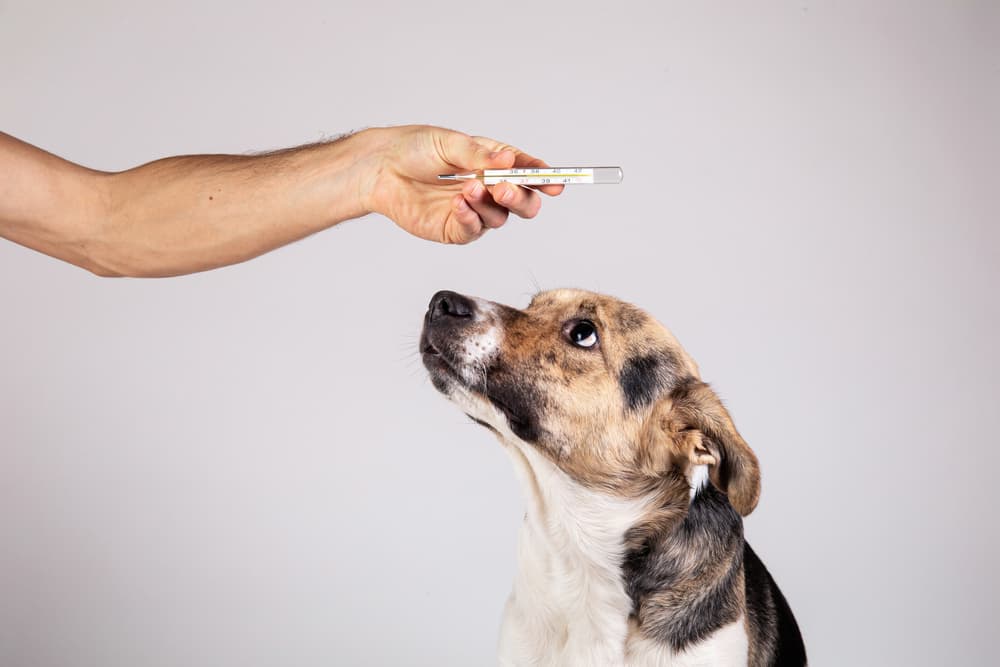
(406, 189)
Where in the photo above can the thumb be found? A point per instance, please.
(465, 152)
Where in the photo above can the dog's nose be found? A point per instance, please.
(449, 304)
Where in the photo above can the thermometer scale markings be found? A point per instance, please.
(543, 176)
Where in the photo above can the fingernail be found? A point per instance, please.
(507, 196)
(476, 190)
(494, 154)
(462, 206)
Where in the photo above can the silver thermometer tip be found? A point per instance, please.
(457, 177)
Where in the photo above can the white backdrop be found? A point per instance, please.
(247, 467)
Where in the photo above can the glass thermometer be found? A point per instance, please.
(543, 176)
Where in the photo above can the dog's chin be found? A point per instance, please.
(471, 400)
(444, 376)
(488, 407)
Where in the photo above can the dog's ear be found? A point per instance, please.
(691, 427)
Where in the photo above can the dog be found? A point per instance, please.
(632, 549)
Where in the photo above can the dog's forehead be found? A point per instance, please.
(611, 312)
(633, 328)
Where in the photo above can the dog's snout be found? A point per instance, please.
(447, 304)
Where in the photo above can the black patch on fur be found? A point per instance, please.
(711, 533)
(639, 381)
(713, 530)
(643, 377)
(771, 618)
(519, 403)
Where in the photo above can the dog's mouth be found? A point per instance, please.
(435, 361)
(446, 373)
(443, 369)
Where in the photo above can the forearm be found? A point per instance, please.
(191, 213)
(187, 214)
(47, 203)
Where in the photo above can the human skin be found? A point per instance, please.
(192, 213)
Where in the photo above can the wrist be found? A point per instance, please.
(372, 147)
(337, 176)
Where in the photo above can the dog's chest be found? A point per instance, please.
(562, 612)
(548, 622)
(726, 647)
(569, 605)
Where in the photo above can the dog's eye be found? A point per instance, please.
(583, 334)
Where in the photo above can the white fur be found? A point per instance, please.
(480, 344)
(727, 646)
(698, 479)
(568, 605)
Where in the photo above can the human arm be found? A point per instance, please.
(192, 213)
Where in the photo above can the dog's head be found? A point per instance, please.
(594, 384)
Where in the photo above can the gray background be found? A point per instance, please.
(248, 467)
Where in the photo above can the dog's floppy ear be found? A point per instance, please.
(692, 427)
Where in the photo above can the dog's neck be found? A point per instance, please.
(569, 605)
(579, 584)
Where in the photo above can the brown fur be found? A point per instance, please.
(589, 431)
(630, 416)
